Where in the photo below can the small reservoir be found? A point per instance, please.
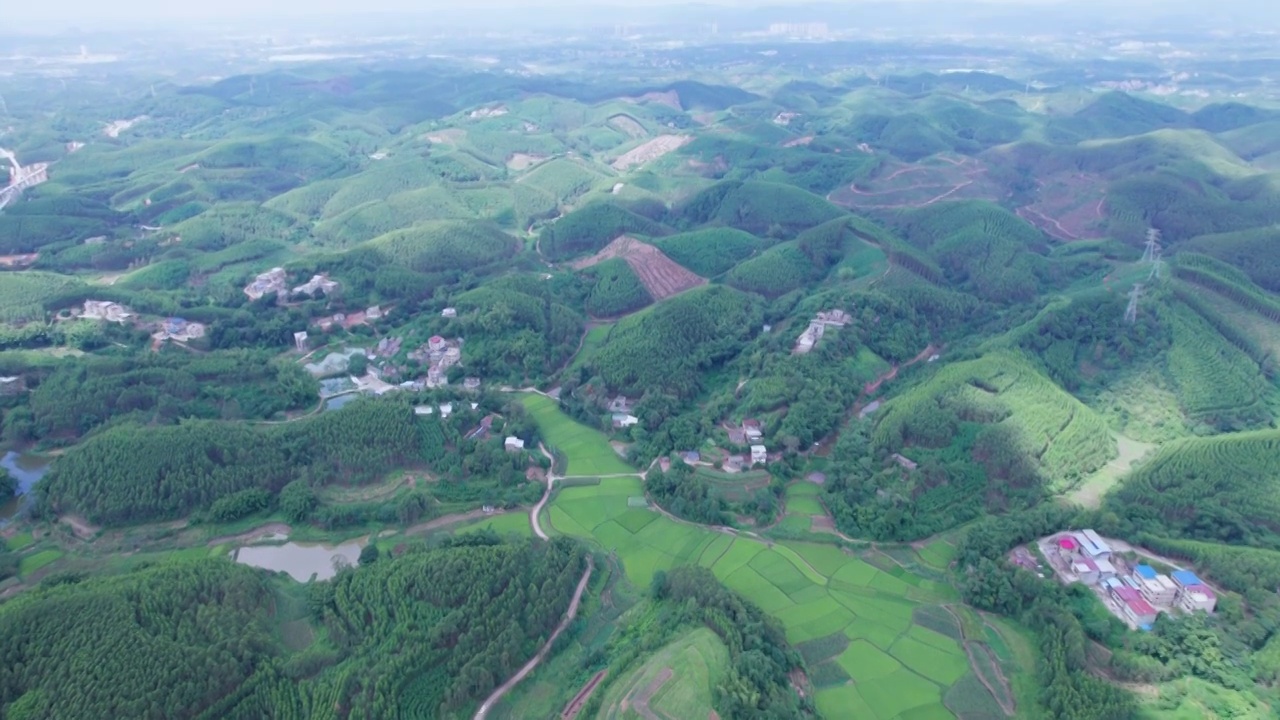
(303, 561)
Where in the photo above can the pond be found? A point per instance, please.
(336, 403)
(27, 469)
(303, 561)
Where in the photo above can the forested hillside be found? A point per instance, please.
(809, 343)
(394, 641)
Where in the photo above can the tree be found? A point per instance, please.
(368, 554)
(357, 364)
(297, 501)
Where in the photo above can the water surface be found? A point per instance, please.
(302, 561)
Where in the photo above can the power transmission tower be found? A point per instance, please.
(1152, 251)
(1156, 264)
(1131, 312)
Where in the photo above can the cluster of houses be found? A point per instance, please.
(809, 338)
(179, 330)
(440, 354)
(174, 328)
(621, 416)
(347, 321)
(276, 281)
(105, 310)
(1139, 594)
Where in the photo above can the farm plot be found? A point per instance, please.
(650, 151)
(676, 683)
(855, 620)
(734, 487)
(802, 499)
(659, 274)
(587, 450)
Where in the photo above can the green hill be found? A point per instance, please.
(590, 228)
(757, 207)
(445, 245)
(710, 252)
(670, 346)
(1222, 489)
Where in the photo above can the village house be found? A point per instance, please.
(423, 410)
(759, 455)
(482, 431)
(179, 330)
(904, 461)
(734, 463)
(300, 341)
(471, 383)
(105, 310)
(1134, 607)
(271, 281)
(317, 283)
(752, 429)
(622, 420)
(436, 377)
(449, 312)
(1093, 545)
(620, 404)
(513, 444)
(737, 436)
(1156, 588)
(1193, 594)
(12, 385)
(818, 326)
(446, 409)
(373, 313)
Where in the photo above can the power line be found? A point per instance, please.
(1131, 312)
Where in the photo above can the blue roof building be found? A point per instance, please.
(1185, 578)
(1146, 572)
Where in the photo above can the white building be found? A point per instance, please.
(1197, 597)
(622, 420)
(1093, 545)
(759, 455)
(449, 312)
(423, 410)
(446, 409)
(513, 444)
(1159, 590)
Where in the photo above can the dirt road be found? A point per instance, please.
(569, 615)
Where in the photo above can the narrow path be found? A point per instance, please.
(537, 509)
(1006, 700)
(569, 615)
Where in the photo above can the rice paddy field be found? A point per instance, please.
(587, 450)
(879, 640)
(802, 499)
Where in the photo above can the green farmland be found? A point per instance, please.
(675, 683)
(587, 451)
(872, 655)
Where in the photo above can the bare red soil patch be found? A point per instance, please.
(1069, 206)
(660, 275)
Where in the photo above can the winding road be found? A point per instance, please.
(569, 615)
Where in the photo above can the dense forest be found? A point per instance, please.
(200, 640)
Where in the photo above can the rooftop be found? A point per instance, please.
(1185, 578)
(1145, 571)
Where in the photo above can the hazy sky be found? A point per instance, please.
(90, 15)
